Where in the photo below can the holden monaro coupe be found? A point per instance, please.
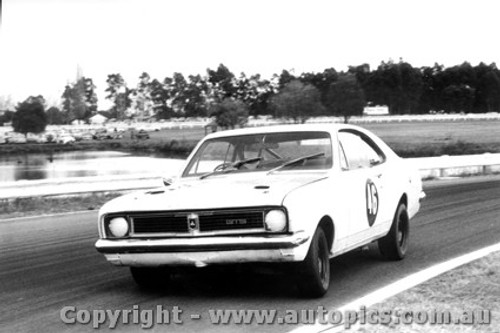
(300, 194)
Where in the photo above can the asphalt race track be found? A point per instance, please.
(47, 263)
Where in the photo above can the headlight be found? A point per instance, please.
(275, 220)
(118, 227)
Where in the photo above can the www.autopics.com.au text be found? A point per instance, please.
(160, 315)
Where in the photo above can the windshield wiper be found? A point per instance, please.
(296, 160)
(231, 167)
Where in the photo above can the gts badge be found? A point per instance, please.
(236, 221)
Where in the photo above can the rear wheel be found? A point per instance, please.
(395, 244)
(151, 277)
(314, 271)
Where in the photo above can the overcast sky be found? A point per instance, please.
(42, 41)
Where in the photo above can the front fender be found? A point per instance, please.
(309, 204)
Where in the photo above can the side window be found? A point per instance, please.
(359, 151)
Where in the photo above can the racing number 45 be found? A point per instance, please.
(372, 203)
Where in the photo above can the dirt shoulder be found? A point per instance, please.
(36, 206)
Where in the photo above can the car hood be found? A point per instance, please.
(221, 191)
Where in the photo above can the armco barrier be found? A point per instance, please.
(463, 165)
(430, 167)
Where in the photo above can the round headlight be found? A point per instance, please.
(118, 227)
(275, 220)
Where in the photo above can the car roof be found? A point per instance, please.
(330, 127)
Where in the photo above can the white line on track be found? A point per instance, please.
(399, 286)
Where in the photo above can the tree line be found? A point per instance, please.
(231, 99)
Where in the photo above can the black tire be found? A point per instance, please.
(151, 277)
(314, 271)
(395, 244)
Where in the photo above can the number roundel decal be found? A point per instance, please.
(372, 203)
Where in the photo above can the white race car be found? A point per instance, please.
(297, 193)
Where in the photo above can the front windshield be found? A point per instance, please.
(268, 151)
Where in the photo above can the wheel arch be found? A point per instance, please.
(326, 223)
(404, 200)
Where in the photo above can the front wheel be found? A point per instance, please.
(314, 271)
(395, 244)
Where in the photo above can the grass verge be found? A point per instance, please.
(474, 286)
(413, 139)
(22, 207)
(170, 148)
(182, 148)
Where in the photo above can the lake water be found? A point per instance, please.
(82, 164)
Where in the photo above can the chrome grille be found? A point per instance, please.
(231, 221)
(223, 221)
(159, 224)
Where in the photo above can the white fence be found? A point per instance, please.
(181, 123)
(463, 165)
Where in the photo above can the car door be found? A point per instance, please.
(363, 173)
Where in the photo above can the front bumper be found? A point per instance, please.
(201, 251)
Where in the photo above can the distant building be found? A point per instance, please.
(77, 122)
(376, 110)
(98, 119)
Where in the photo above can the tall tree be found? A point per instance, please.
(458, 88)
(397, 85)
(55, 116)
(322, 81)
(6, 117)
(90, 96)
(30, 116)
(458, 98)
(491, 88)
(284, 78)
(430, 100)
(142, 100)
(79, 100)
(177, 88)
(297, 101)
(161, 99)
(119, 94)
(255, 93)
(80, 110)
(195, 97)
(222, 81)
(487, 97)
(346, 97)
(362, 73)
(229, 113)
(67, 103)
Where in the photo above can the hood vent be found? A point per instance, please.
(156, 192)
